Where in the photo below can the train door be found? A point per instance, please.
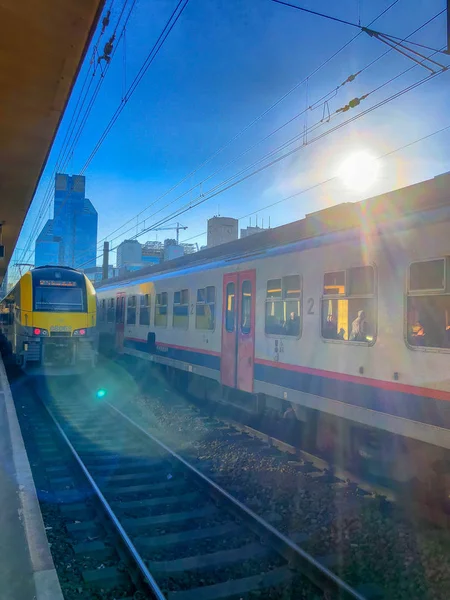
(120, 321)
(238, 330)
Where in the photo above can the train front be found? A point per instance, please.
(61, 336)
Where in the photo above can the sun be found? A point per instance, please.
(359, 171)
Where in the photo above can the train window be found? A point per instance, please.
(283, 306)
(349, 305)
(120, 309)
(144, 310)
(181, 309)
(427, 310)
(230, 315)
(131, 310)
(334, 283)
(110, 316)
(102, 310)
(205, 308)
(161, 309)
(246, 307)
(428, 275)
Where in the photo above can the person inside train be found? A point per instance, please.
(330, 328)
(292, 326)
(359, 329)
(418, 336)
(341, 334)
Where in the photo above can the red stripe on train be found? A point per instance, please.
(385, 385)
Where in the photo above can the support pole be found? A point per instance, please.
(105, 261)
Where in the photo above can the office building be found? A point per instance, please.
(221, 230)
(70, 238)
(129, 253)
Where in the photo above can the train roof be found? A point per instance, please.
(370, 214)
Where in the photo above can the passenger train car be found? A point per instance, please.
(51, 320)
(344, 314)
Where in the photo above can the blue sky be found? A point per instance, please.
(224, 63)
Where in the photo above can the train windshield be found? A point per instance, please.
(59, 299)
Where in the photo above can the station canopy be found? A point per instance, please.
(42, 47)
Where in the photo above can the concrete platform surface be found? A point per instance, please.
(27, 571)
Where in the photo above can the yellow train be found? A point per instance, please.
(49, 321)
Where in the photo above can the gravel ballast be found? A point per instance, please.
(361, 540)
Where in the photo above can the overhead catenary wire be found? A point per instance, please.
(328, 180)
(378, 34)
(256, 119)
(276, 103)
(190, 206)
(288, 143)
(176, 14)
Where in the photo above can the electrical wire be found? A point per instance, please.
(201, 201)
(288, 143)
(256, 120)
(66, 151)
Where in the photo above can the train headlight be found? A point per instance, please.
(79, 332)
(39, 331)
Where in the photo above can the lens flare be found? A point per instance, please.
(359, 171)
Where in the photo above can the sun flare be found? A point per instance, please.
(359, 171)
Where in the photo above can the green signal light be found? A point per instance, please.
(101, 393)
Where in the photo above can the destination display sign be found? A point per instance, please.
(57, 283)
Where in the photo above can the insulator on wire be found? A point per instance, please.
(106, 56)
(352, 104)
(105, 21)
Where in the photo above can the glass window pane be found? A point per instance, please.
(274, 288)
(161, 310)
(184, 298)
(427, 275)
(201, 295)
(246, 307)
(177, 297)
(204, 316)
(275, 317)
(230, 311)
(334, 283)
(291, 286)
(361, 281)
(210, 294)
(292, 323)
(428, 321)
(335, 324)
(144, 313)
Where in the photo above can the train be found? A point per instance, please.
(49, 321)
(343, 317)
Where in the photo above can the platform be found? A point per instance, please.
(27, 571)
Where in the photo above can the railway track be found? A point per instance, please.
(185, 538)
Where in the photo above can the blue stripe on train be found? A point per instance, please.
(400, 404)
(190, 356)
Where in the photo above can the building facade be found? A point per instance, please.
(70, 238)
(221, 230)
(129, 253)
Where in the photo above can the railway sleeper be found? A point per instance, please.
(174, 539)
(94, 549)
(236, 588)
(169, 518)
(210, 560)
(108, 577)
(193, 497)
